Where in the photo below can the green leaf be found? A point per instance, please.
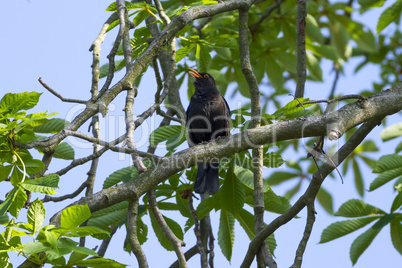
(174, 226)
(390, 14)
(164, 133)
(109, 216)
(341, 228)
(286, 59)
(123, 174)
(325, 51)
(325, 200)
(232, 192)
(73, 216)
(18, 202)
(88, 230)
(280, 176)
(5, 172)
(340, 38)
(32, 165)
(371, 3)
(34, 247)
(389, 167)
(397, 203)
(358, 178)
(226, 234)
(9, 200)
(275, 203)
(36, 215)
(274, 72)
(272, 160)
(45, 185)
(357, 208)
(100, 263)
(365, 40)
(183, 52)
(313, 31)
(64, 151)
(313, 66)
(362, 242)
(391, 132)
(141, 16)
(182, 206)
(52, 126)
(396, 235)
(202, 58)
(19, 101)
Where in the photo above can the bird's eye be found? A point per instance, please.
(206, 76)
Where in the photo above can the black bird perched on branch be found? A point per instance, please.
(208, 118)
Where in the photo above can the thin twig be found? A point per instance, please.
(123, 19)
(49, 198)
(203, 253)
(132, 234)
(307, 232)
(162, 13)
(301, 48)
(176, 243)
(341, 98)
(331, 95)
(112, 147)
(57, 94)
(188, 254)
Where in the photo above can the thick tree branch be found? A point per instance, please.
(301, 48)
(347, 117)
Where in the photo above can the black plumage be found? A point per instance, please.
(208, 117)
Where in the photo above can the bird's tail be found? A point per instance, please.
(207, 178)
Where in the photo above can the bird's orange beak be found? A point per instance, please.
(195, 73)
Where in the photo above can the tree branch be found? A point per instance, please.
(268, 12)
(301, 48)
(377, 106)
(188, 254)
(255, 122)
(307, 231)
(132, 234)
(174, 241)
(313, 188)
(197, 232)
(57, 94)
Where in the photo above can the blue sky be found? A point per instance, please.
(50, 39)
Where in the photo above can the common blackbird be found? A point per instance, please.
(208, 118)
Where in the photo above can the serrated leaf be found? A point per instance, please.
(362, 242)
(396, 235)
(280, 176)
(88, 230)
(36, 215)
(5, 172)
(341, 228)
(109, 216)
(164, 133)
(232, 192)
(325, 200)
(8, 202)
(389, 167)
(391, 132)
(371, 3)
(359, 183)
(73, 216)
(325, 51)
(313, 66)
(313, 31)
(274, 72)
(18, 202)
(226, 234)
(397, 203)
(275, 203)
(53, 125)
(390, 14)
(45, 185)
(100, 263)
(286, 59)
(32, 165)
(183, 52)
(64, 151)
(174, 226)
(123, 174)
(34, 247)
(202, 58)
(182, 206)
(357, 208)
(19, 101)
